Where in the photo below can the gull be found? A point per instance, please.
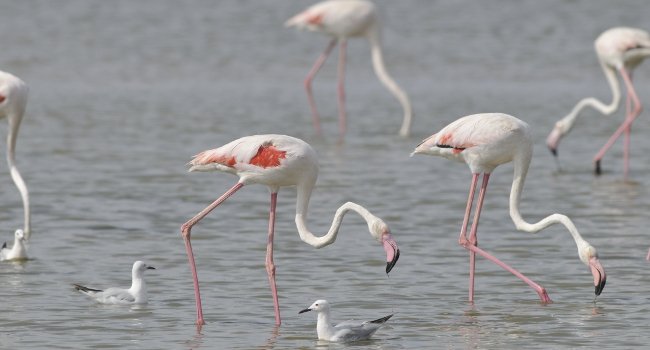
(18, 251)
(345, 331)
(137, 294)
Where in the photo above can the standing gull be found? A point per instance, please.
(345, 331)
(137, 294)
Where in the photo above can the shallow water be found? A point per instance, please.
(124, 93)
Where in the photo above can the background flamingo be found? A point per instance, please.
(619, 49)
(277, 161)
(13, 100)
(343, 19)
(484, 141)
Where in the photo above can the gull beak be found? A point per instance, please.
(599, 275)
(305, 310)
(150, 268)
(392, 251)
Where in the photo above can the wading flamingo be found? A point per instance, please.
(13, 100)
(619, 49)
(277, 161)
(343, 19)
(484, 141)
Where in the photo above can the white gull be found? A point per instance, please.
(137, 294)
(18, 251)
(345, 331)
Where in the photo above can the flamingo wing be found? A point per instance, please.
(258, 151)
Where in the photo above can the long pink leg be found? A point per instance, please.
(185, 233)
(473, 240)
(341, 89)
(625, 126)
(626, 137)
(270, 266)
(539, 289)
(308, 80)
(462, 239)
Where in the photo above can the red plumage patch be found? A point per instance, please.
(268, 156)
(316, 19)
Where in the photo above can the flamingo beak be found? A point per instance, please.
(599, 275)
(303, 311)
(150, 268)
(553, 140)
(392, 251)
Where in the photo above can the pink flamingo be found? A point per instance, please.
(484, 141)
(13, 100)
(343, 19)
(619, 49)
(277, 161)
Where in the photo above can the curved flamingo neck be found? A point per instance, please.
(389, 83)
(521, 165)
(304, 193)
(14, 120)
(608, 109)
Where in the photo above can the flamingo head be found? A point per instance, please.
(589, 257)
(381, 232)
(556, 135)
(318, 305)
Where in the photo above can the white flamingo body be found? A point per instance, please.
(343, 19)
(484, 141)
(338, 18)
(136, 294)
(277, 161)
(13, 101)
(619, 49)
(18, 251)
(347, 331)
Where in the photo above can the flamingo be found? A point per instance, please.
(484, 141)
(13, 100)
(277, 161)
(343, 19)
(619, 49)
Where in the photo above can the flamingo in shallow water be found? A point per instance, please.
(13, 100)
(343, 19)
(277, 161)
(619, 49)
(484, 141)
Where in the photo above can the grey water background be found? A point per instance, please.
(123, 93)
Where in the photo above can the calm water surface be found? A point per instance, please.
(123, 93)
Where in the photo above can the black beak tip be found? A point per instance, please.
(391, 264)
(599, 288)
(553, 151)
